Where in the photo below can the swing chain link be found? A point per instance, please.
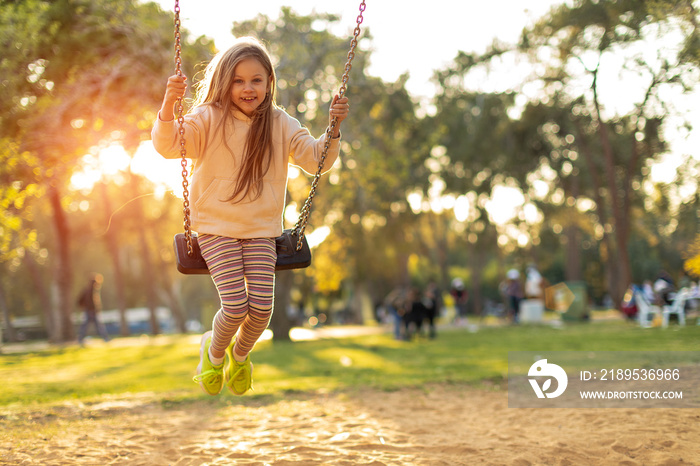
(181, 132)
(306, 209)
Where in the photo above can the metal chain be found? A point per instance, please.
(181, 131)
(306, 210)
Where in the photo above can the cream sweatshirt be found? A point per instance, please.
(216, 169)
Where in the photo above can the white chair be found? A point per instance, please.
(677, 307)
(645, 309)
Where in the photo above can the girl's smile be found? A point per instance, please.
(250, 85)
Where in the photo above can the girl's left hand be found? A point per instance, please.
(339, 109)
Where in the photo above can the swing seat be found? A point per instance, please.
(186, 264)
(288, 257)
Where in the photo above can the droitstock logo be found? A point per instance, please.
(544, 369)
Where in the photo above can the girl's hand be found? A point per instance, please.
(339, 109)
(175, 89)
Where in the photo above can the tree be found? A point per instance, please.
(477, 151)
(586, 44)
(79, 69)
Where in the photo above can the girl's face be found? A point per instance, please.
(251, 84)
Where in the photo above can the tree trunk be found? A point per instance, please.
(624, 276)
(611, 272)
(171, 294)
(477, 269)
(64, 266)
(619, 253)
(47, 307)
(148, 280)
(572, 268)
(360, 304)
(402, 269)
(112, 246)
(443, 253)
(280, 323)
(9, 329)
(622, 223)
(607, 247)
(147, 270)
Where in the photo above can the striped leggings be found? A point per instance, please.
(243, 271)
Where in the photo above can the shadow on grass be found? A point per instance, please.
(285, 369)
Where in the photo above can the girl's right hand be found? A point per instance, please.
(175, 89)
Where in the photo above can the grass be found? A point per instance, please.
(163, 366)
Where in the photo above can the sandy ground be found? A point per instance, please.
(445, 425)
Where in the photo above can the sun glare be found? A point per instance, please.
(105, 164)
(503, 205)
(112, 160)
(318, 236)
(162, 172)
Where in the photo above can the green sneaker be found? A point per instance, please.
(209, 376)
(239, 375)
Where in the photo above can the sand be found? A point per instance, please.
(441, 425)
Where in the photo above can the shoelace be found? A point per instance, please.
(243, 368)
(209, 376)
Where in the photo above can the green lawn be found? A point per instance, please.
(164, 365)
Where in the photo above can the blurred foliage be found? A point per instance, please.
(566, 140)
(692, 264)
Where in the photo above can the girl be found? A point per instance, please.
(242, 143)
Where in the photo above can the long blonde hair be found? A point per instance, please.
(215, 89)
